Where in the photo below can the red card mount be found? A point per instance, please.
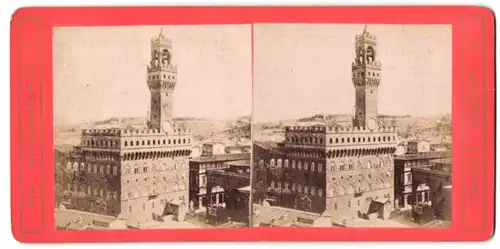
(32, 125)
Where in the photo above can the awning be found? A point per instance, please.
(246, 189)
(381, 200)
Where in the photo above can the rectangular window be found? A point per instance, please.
(130, 209)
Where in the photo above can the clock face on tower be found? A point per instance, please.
(372, 124)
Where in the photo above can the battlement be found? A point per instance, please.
(116, 132)
(161, 40)
(369, 64)
(162, 67)
(366, 36)
(337, 129)
(305, 129)
(110, 132)
(155, 132)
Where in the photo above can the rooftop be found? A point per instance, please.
(239, 163)
(73, 219)
(278, 216)
(63, 147)
(378, 223)
(267, 145)
(445, 160)
(221, 157)
(425, 155)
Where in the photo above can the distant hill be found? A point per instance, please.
(406, 125)
(236, 128)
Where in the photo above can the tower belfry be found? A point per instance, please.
(366, 74)
(162, 78)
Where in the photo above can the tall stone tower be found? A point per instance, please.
(162, 77)
(366, 73)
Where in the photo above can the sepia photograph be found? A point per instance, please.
(152, 127)
(351, 125)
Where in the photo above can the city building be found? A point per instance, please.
(403, 165)
(341, 171)
(199, 196)
(213, 148)
(238, 149)
(233, 178)
(438, 179)
(135, 174)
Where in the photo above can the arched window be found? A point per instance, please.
(68, 165)
(279, 184)
(108, 170)
(279, 163)
(350, 165)
(286, 163)
(272, 184)
(313, 166)
(370, 54)
(342, 166)
(293, 164)
(101, 192)
(320, 192)
(333, 167)
(313, 191)
(299, 188)
(294, 186)
(101, 169)
(306, 165)
(299, 166)
(287, 185)
(272, 162)
(320, 167)
(115, 170)
(75, 166)
(306, 189)
(261, 163)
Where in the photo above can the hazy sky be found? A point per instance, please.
(305, 69)
(100, 72)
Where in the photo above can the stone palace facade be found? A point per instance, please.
(134, 173)
(340, 171)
